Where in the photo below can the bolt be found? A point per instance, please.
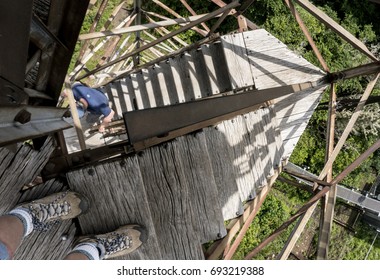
(23, 117)
(219, 235)
(91, 172)
(64, 237)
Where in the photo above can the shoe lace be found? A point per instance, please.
(42, 213)
(115, 242)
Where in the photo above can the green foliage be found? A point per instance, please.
(272, 214)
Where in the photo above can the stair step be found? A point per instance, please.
(224, 176)
(204, 196)
(117, 196)
(238, 64)
(168, 193)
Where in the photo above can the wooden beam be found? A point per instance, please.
(330, 23)
(174, 33)
(218, 23)
(74, 114)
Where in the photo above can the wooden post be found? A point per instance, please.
(74, 114)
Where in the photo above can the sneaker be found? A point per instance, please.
(120, 242)
(54, 208)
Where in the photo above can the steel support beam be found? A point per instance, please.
(328, 202)
(15, 24)
(328, 165)
(20, 123)
(308, 36)
(161, 121)
(330, 23)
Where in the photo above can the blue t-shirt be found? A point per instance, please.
(97, 101)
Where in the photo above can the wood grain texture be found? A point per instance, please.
(236, 56)
(224, 176)
(209, 223)
(216, 67)
(236, 135)
(20, 168)
(117, 197)
(168, 191)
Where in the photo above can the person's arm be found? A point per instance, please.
(106, 121)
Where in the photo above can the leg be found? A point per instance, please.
(37, 215)
(120, 242)
(11, 235)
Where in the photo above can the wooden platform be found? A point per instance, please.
(183, 191)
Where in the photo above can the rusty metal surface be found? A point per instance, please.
(14, 40)
(19, 123)
(158, 122)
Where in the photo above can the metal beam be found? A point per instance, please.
(234, 13)
(188, 7)
(20, 123)
(285, 225)
(14, 29)
(160, 121)
(328, 202)
(308, 36)
(330, 23)
(362, 70)
(259, 200)
(305, 218)
(163, 38)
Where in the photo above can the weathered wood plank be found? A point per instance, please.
(162, 84)
(304, 101)
(236, 56)
(168, 195)
(113, 97)
(154, 91)
(221, 162)
(268, 79)
(121, 96)
(181, 78)
(54, 244)
(261, 40)
(204, 196)
(129, 93)
(149, 88)
(169, 82)
(236, 134)
(19, 169)
(216, 67)
(140, 91)
(255, 149)
(273, 137)
(117, 196)
(195, 63)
